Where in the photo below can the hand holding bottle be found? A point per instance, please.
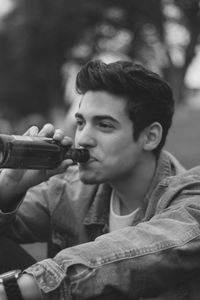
(15, 182)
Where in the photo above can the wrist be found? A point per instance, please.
(9, 287)
(29, 287)
(11, 205)
(10, 191)
(14, 285)
(2, 292)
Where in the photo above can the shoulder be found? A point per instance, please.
(191, 176)
(172, 163)
(181, 189)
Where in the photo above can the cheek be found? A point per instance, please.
(119, 147)
(76, 138)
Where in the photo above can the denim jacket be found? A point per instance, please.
(158, 257)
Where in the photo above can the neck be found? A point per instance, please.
(131, 189)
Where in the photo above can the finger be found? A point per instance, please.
(58, 135)
(33, 130)
(62, 167)
(65, 164)
(66, 141)
(47, 130)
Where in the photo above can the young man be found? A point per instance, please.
(125, 224)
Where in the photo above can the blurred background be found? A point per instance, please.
(43, 43)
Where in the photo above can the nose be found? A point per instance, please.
(85, 138)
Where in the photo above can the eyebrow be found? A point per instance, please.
(99, 117)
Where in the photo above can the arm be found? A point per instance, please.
(15, 183)
(26, 218)
(142, 261)
(30, 222)
(145, 260)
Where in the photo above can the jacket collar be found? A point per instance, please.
(99, 210)
(167, 165)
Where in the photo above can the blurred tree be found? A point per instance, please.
(123, 27)
(39, 36)
(163, 35)
(182, 38)
(35, 41)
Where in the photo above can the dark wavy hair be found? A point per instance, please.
(149, 97)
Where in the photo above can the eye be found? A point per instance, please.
(80, 123)
(106, 126)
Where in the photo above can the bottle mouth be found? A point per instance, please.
(81, 155)
(78, 155)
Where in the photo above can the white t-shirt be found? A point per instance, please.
(116, 221)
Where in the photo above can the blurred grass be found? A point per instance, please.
(183, 142)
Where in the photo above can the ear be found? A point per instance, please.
(152, 136)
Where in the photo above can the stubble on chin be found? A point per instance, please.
(90, 175)
(90, 179)
(88, 182)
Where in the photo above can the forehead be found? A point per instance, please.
(103, 103)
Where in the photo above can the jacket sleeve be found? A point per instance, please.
(30, 222)
(140, 261)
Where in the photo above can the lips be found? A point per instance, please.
(92, 157)
(91, 160)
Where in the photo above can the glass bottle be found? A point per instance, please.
(34, 152)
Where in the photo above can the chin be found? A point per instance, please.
(90, 179)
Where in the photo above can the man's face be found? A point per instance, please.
(104, 128)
